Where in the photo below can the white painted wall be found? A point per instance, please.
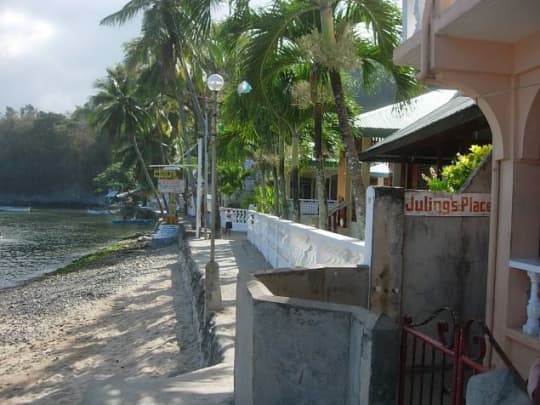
(288, 244)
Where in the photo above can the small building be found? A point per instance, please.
(488, 49)
(433, 140)
(427, 132)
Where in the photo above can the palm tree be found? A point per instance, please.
(271, 63)
(274, 49)
(173, 33)
(317, 106)
(252, 133)
(383, 19)
(333, 46)
(120, 114)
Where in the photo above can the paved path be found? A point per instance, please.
(211, 385)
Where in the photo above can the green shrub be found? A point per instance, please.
(264, 199)
(247, 200)
(455, 175)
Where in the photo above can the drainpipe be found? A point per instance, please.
(492, 252)
(425, 45)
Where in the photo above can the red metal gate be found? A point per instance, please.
(436, 371)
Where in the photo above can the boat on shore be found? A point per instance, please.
(4, 208)
(102, 211)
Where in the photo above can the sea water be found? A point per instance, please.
(43, 240)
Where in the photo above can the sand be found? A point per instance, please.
(123, 316)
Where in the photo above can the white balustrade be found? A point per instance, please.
(413, 11)
(532, 267)
(288, 244)
(239, 218)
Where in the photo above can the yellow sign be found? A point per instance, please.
(165, 174)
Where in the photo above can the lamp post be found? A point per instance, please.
(213, 289)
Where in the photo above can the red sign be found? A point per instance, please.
(446, 204)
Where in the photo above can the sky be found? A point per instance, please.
(52, 51)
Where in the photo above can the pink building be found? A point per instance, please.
(490, 50)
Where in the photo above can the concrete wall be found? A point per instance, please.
(340, 285)
(384, 248)
(193, 278)
(298, 351)
(445, 264)
(288, 244)
(421, 263)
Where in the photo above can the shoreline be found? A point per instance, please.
(136, 241)
(122, 314)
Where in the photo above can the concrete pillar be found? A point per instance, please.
(384, 248)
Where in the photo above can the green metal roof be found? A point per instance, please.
(459, 109)
(395, 116)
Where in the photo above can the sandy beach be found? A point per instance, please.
(120, 316)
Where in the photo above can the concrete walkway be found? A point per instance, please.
(211, 385)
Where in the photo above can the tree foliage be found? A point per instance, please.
(49, 155)
(231, 177)
(293, 53)
(115, 177)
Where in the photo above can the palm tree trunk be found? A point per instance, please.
(320, 177)
(351, 152)
(282, 192)
(261, 206)
(294, 177)
(277, 212)
(145, 171)
(199, 116)
(317, 137)
(187, 146)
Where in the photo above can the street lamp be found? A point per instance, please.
(215, 83)
(243, 88)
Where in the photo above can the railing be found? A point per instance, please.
(239, 218)
(436, 371)
(310, 206)
(531, 267)
(337, 216)
(288, 244)
(413, 13)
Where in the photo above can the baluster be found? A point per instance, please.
(413, 364)
(432, 383)
(532, 327)
(403, 364)
(418, 10)
(443, 380)
(422, 368)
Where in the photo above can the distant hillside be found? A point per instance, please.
(48, 158)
